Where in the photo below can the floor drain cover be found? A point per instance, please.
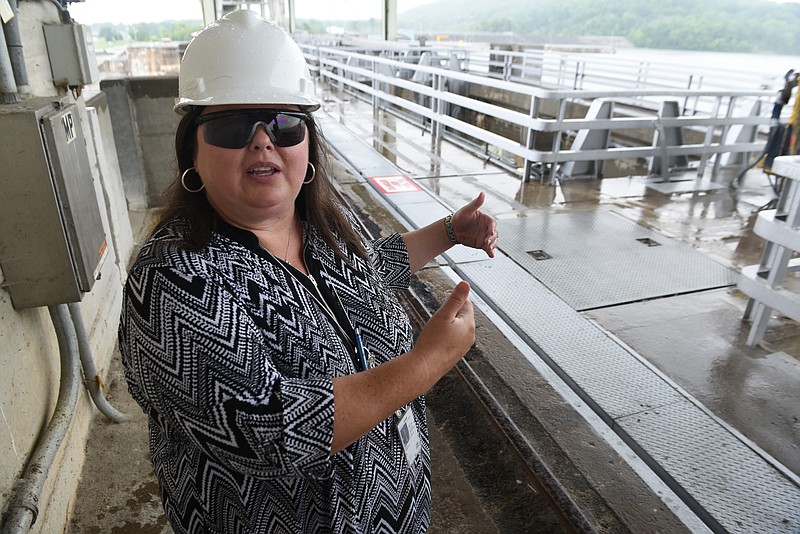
(539, 255)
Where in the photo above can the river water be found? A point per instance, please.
(772, 68)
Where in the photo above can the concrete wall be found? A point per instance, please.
(144, 135)
(29, 361)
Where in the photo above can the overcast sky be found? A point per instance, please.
(130, 11)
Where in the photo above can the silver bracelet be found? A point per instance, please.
(448, 226)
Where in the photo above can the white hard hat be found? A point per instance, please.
(244, 59)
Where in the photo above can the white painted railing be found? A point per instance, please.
(434, 86)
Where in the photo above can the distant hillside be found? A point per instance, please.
(751, 26)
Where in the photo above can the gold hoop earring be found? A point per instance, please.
(183, 181)
(313, 174)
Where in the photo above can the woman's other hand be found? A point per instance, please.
(448, 334)
(475, 228)
(362, 400)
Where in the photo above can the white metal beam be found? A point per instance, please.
(389, 20)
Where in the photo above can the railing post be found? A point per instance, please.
(318, 60)
(383, 123)
(562, 109)
(696, 99)
(686, 100)
(763, 283)
(723, 137)
(341, 88)
(562, 67)
(436, 126)
(580, 71)
(708, 139)
(664, 139)
(530, 141)
(376, 106)
(641, 77)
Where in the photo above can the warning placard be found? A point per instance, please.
(6, 13)
(394, 184)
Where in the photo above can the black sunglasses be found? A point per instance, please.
(235, 128)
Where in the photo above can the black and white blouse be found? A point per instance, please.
(233, 360)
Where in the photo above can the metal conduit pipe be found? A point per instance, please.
(23, 509)
(15, 53)
(63, 12)
(90, 376)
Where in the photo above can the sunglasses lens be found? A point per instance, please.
(236, 130)
(227, 132)
(287, 130)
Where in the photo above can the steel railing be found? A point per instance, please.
(551, 94)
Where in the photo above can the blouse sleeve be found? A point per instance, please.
(390, 257)
(198, 365)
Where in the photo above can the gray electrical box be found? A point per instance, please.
(71, 52)
(52, 243)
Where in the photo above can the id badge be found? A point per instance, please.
(409, 436)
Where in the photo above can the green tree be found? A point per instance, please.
(109, 33)
(139, 32)
(753, 26)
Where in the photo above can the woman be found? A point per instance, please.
(261, 333)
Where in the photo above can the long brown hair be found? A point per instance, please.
(316, 199)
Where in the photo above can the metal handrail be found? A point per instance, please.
(598, 69)
(418, 89)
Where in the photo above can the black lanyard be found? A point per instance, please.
(328, 302)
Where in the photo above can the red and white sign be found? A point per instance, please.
(394, 184)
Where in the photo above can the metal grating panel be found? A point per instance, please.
(730, 480)
(599, 259)
(460, 254)
(419, 213)
(422, 198)
(614, 378)
(738, 488)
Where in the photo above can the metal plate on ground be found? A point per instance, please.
(703, 457)
(597, 259)
(617, 381)
(736, 486)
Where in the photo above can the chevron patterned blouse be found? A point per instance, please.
(233, 360)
